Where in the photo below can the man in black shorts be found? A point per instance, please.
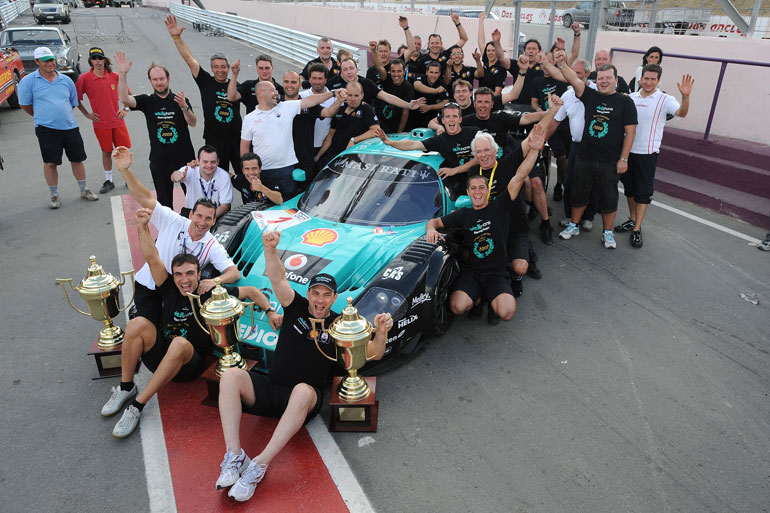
(485, 232)
(175, 348)
(292, 389)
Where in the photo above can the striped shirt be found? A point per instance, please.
(651, 114)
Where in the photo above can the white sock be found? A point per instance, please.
(108, 176)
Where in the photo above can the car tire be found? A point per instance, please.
(67, 20)
(567, 20)
(13, 100)
(442, 314)
(38, 21)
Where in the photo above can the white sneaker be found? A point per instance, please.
(127, 423)
(232, 467)
(565, 222)
(244, 488)
(117, 400)
(87, 194)
(609, 239)
(588, 225)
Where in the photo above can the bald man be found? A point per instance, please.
(602, 57)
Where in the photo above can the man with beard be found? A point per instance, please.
(292, 391)
(485, 230)
(221, 117)
(318, 76)
(168, 117)
(100, 85)
(394, 120)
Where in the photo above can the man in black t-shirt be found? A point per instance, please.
(431, 88)
(246, 92)
(168, 116)
(602, 57)
(484, 228)
(324, 58)
(249, 183)
(355, 122)
(292, 389)
(530, 73)
(176, 348)
(436, 50)
(608, 133)
(393, 119)
(221, 117)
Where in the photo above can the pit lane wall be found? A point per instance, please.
(740, 112)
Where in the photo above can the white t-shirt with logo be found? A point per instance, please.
(270, 133)
(573, 108)
(174, 238)
(218, 189)
(651, 114)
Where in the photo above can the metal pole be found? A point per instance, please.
(411, 6)
(593, 28)
(753, 22)
(550, 25)
(653, 17)
(516, 29)
(714, 101)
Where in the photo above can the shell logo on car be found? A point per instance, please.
(319, 237)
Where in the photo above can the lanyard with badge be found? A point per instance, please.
(491, 178)
(208, 194)
(198, 249)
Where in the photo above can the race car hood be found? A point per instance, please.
(353, 254)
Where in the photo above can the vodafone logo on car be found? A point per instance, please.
(294, 262)
(300, 267)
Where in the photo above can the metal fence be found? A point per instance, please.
(9, 11)
(91, 26)
(299, 47)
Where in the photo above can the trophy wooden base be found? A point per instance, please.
(107, 362)
(359, 416)
(212, 382)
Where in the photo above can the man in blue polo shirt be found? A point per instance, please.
(49, 97)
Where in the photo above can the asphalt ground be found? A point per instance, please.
(629, 380)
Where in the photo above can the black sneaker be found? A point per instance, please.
(475, 312)
(626, 226)
(107, 186)
(636, 239)
(557, 192)
(516, 286)
(492, 317)
(546, 233)
(533, 272)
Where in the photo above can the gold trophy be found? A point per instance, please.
(221, 313)
(354, 408)
(100, 291)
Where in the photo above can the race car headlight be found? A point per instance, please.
(62, 61)
(378, 300)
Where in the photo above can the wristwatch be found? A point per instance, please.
(269, 310)
(624, 159)
(126, 109)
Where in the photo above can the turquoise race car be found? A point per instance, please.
(362, 220)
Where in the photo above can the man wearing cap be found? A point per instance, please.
(101, 86)
(49, 98)
(221, 117)
(292, 389)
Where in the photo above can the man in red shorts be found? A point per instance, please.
(101, 86)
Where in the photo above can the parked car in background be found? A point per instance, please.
(474, 13)
(51, 10)
(11, 73)
(617, 14)
(26, 39)
(94, 3)
(120, 3)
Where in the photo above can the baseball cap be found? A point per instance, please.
(43, 53)
(96, 52)
(327, 280)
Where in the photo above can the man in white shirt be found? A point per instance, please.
(652, 106)
(206, 180)
(176, 234)
(269, 129)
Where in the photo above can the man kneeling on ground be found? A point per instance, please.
(176, 348)
(292, 390)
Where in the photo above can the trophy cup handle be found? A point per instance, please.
(193, 297)
(133, 286)
(318, 325)
(250, 306)
(326, 355)
(62, 281)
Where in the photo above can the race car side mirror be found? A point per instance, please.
(463, 202)
(298, 175)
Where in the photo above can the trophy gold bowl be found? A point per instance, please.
(100, 291)
(221, 313)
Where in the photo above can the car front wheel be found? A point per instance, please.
(13, 100)
(442, 315)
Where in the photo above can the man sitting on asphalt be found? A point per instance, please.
(485, 233)
(204, 179)
(292, 389)
(176, 347)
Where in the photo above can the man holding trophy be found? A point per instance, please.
(174, 349)
(292, 389)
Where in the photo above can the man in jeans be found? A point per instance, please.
(610, 127)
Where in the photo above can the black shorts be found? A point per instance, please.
(604, 175)
(639, 180)
(189, 371)
(52, 142)
(487, 287)
(560, 141)
(518, 246)
(149, 303)
(271, 399)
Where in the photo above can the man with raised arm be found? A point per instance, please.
(175, 348)
(168, 116)
(436, 50)
(610, 127)
(292, 389)
(485, 229)
(221, 117)
(380, 70)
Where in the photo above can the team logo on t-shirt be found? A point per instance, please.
(598, 128)
(483, 246)
(167, 134)
(223, 113)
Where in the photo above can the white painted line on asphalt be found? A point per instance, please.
(711, 224)
(338, 467)
(156, 470)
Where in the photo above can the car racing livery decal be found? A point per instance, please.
(319, 237)
(301, 267)
(279, 219)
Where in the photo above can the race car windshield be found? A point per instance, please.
(374, 190)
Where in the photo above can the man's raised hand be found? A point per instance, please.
(173, 28)
(122, 64)
(383, 322)
(685, 87)
(536, 137)
(403, 22)
(143, 216)
(180, 99)
(270, 239)
(235, 67)
(122, 157)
